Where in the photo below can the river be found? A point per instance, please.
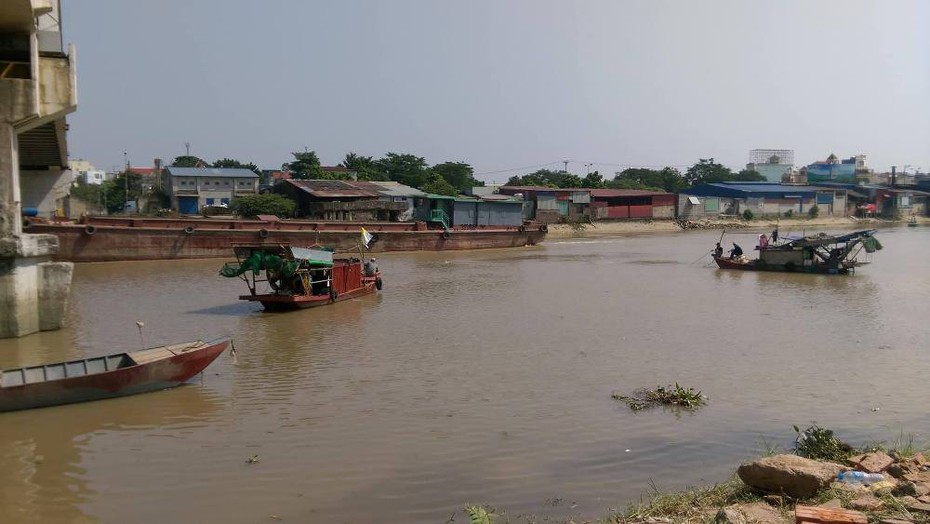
(474, 377)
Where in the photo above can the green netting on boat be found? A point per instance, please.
(871, 244)
(258, 261)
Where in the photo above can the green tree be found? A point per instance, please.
(229, 163)
(665, 179)
(250, 206)
(115, 192)
(188, 161)
(547, 178)
(91, 193)
(593, 180)
(706, 171)
(305, 166)
(458, 174)
(407, 169)
(365, 166)
(438, 185)
(749, 175)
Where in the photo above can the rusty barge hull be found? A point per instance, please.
(103, 240)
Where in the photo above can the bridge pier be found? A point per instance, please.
(37, 90)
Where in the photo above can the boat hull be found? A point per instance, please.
(273, 302)
(754, 265)
(104, 240)
(151, 375)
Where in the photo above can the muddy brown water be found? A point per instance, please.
(478, 376)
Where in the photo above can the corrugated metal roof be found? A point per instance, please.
(332, 189)
(212, 171)
(607, 193)
(546, 189)
(756, 190)
(391, 188)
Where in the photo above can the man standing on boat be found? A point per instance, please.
(718, 251)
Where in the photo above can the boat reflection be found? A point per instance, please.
(43, 452)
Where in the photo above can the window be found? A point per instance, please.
(227, 182)
(710, 204)
(210, 201)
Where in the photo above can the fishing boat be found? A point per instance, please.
(300, 277)
(97, 378)
(912, 222)
(824, 254)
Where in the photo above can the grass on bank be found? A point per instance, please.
(700, 505)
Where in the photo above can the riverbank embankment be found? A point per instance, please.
(785, 225)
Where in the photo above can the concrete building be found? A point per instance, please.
(193, 188)
(37, 90)
(835, 170)
(761, 198)
(774, 164)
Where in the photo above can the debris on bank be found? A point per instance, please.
(675, 395)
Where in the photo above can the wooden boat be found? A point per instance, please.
(300, 277)
(912, 222)
(823, 254)
(108, 376)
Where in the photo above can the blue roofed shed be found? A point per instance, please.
(761, 198)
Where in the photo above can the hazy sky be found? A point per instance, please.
(501, 84)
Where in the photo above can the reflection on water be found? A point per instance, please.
(473, 377)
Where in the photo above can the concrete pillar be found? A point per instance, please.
(10, 221)
(33, 289)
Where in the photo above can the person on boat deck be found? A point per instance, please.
(736, 252)
(370, 267)
(763, 241)
(775, 235)
(718, 251)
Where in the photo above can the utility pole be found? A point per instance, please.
(126, 176)
(187, 146)
(565, 169)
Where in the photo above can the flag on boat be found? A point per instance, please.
(367, 238)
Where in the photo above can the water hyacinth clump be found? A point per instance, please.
(676, 395)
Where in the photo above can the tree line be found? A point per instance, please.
(669, 179)
(446, 178)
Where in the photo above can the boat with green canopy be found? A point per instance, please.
(822, 253)
(285, 277)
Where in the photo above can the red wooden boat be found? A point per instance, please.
(300, 277)
(109, 376)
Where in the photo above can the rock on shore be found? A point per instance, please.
(791, 475)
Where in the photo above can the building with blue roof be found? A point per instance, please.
(760, 198)
(193, 188)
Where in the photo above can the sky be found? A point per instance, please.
(507, 86)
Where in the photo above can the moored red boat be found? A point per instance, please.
(300, 277)
(115, 375)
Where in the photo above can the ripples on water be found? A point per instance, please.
(473, 377)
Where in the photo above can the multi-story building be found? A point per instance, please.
(193, 188)
(774, 164)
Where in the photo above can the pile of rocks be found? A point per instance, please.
(906, 482)
(710, 224)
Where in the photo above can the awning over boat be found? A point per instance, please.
(321, 256)
(694, 200)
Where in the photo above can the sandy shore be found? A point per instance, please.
(785, 225)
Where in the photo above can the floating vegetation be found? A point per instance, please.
(675, 395)
(479, 514)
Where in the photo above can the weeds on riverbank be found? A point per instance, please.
(676, 395)
(695, 505)
(820, 443)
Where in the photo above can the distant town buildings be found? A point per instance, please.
(193, 188)
(835, 170)
(84, 171)
(774, 164)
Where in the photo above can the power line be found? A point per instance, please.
(519, 168)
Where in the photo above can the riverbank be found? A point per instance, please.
(785, 225)
(776, 488)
